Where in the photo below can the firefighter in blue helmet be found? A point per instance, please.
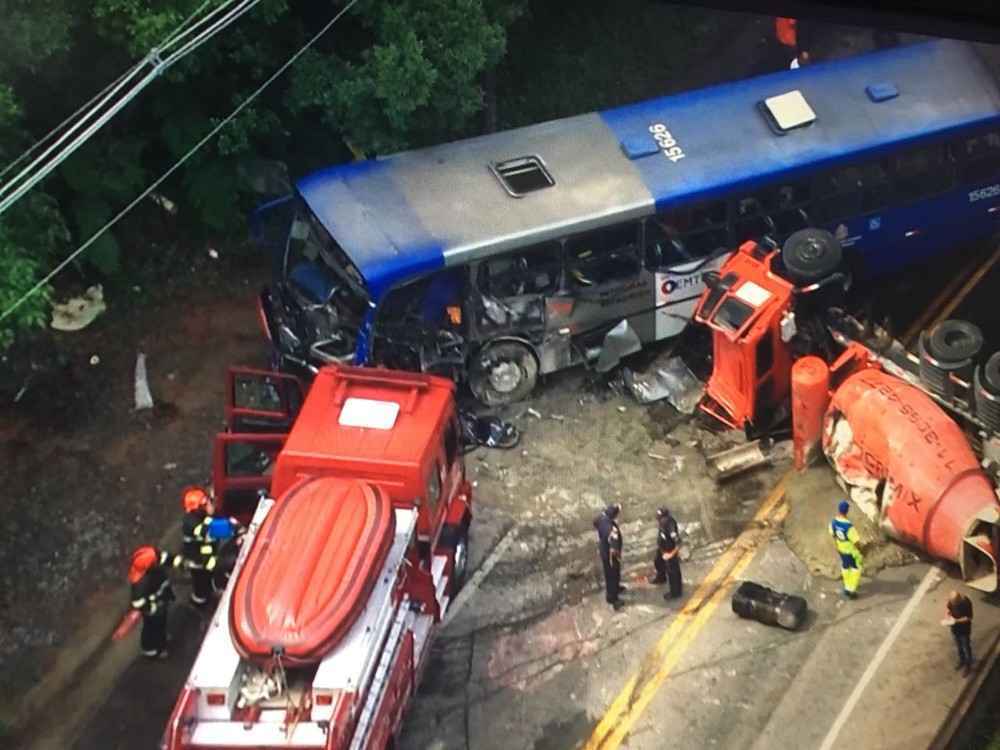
(846, 538)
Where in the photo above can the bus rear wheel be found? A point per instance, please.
(810, 255)
(503, 373)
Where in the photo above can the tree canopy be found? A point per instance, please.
(392, 74)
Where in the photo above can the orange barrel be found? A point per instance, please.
(810, 395)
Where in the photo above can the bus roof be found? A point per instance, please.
(420, 210)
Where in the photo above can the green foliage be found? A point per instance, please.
(393, 74)
(416, 82)
(32, 233)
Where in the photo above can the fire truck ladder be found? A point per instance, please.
(376, 693)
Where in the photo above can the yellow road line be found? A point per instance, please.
(656, 666)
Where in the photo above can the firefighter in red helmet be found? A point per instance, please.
(199, 550)
(151, 596)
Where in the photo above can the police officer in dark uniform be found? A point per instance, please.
(667, 560)
(152, 595)
(609, 543)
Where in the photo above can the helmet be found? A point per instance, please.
(143, 559)
(194, 498)
(662, 512)
(612, 511)
(843, 507)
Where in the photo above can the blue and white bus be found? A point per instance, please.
(511, 255)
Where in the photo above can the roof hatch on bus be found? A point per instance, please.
(788, 111)
(522, 175)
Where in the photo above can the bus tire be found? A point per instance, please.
(810, 255)
(953, 341)
(502, 373)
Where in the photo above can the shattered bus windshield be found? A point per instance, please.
(309, 242)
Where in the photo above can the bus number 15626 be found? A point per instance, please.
(666, 142)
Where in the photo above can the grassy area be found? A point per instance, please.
(565, 58)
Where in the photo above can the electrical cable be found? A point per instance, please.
(177, 165)
(21, 183)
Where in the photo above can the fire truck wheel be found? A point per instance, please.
(810, 255)
(457, 537)
(954, 341)
(503, 373)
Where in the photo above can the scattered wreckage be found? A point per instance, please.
(897, 427)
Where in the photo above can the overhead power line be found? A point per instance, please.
(177, 165)
(82, 124)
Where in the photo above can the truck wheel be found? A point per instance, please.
(503, 373)
(457, 538)
(810, 255)
(954, 341)
(461, 563)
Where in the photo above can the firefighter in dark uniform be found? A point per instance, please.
(667, 560)
(199, 549)
(151, 596)
(609, 543)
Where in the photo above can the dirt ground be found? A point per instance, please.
(88, 478)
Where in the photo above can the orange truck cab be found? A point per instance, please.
(761, 307)
(358, 513)
(748, 308)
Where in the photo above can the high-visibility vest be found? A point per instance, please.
(784, 30)
(844, 535)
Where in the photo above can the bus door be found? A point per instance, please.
(606, 283)
(679, 248)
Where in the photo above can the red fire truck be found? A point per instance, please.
(358, 515)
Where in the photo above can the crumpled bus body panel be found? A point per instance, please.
(910, 467)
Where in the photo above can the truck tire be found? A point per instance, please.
(503, 373)
(953, 341)
(810, 255)
(457, 538)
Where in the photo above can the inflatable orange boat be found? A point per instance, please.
(311, 568)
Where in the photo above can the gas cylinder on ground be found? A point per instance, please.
(810, 396)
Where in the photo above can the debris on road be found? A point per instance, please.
(755, 602)
(670, 379)
(744, 457)
(77, 313)
(143, 398)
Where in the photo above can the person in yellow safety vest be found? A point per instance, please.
(845, 536)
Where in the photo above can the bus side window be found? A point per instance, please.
(664, 246)
(922, 172)
(838, 194)
(533, 270)
(750, 219)
(604, 255)
(979, 158)
(787, 205)
(876, 186)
